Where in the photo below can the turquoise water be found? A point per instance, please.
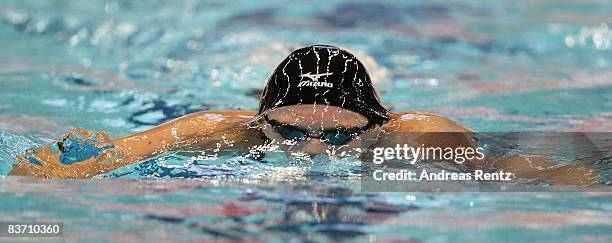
(126, 66)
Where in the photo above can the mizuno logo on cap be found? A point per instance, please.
(315, 80)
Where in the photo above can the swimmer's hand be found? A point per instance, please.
(78, 154)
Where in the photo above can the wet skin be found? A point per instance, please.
(245, 130)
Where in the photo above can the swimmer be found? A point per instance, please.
(319, 100)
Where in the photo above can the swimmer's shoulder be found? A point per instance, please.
(210, 124)
(205, 129)
(220, 118)
(417, 121)
(422, 128)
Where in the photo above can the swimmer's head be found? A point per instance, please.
(323, 75)
(321, 98)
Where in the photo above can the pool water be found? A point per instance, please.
(126, 66)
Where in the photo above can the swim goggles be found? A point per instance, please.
(338, 136)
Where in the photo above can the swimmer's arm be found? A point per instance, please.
(539, 167)
(196, 130)
(444, 132)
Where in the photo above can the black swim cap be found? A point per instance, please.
(325, 75)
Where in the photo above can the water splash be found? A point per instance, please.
(12, 145)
